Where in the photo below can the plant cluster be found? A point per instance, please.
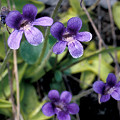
(46, 50)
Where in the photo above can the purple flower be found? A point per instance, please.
(24, 23)
(70, 37)
(60, 105)
(110, 88)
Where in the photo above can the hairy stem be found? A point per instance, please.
(113, 36)
(114, 44)
(99, 43)
(10, 81)
(82, 94)
(8, 3)
(94, 5)
(13, 5)
(96, 31)
(17, 84)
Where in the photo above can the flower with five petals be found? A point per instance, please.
(70, 36)
(24, 23)
(60, 105)
(110, 88)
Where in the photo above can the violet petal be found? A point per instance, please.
(75, 49)
(13, 20)
(84, 36)
(118, 84)
(66, 97)
(73, 108)
(116, 94)
(43, 21)
(54, 95)
(111, 79)
(33, 36)
(29, 12)
(14, 39)
(59, 47)
(57, 30)
(48, 109)
(98, 87)
(63, 116)
(74, 25)
(104, 98)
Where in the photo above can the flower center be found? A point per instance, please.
(68, 37)
(109, 90)
(24, 23)
(61, 106)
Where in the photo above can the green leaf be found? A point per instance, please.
(61, 56)
(58, 76)
(38, 108)
(4, 87)
(92, 48)
(36, 76)
(6, 111)
(92, 65)
(86, 79)
(5, 107)
(58, 86)
(65, 64)
(5, 104)
(52, 40)
(75, 11)
(116, 13)
(30, 106)
(21, 70)
(19, 4)
(75, 4)
(30, 53)
(67, 15)
(42, 72)
(40, 116)
(4, 83)
(22, 91)
(29, 101)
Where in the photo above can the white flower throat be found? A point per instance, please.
(68, 37)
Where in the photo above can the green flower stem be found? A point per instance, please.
(82, 94)
(93, 6)
(39, 68)
(9, 52)
(44, 46)
(48, 32)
